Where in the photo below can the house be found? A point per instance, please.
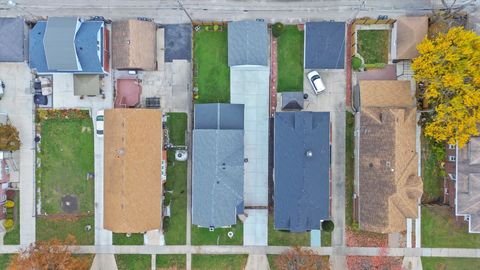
(324, 45)
(133, 170)
(218, 165)
(301, 170)
(12, 44)
(69, 45)
(134, 44)
(467, 188)
(389, 186)
(248, 43)
(407, 33)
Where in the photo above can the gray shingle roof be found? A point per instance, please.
(247, 43)
(12, 41)
(301, 182)
(324, 45)
(59, 42)
(218, 165)
(292, 101)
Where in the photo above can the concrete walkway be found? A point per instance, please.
(104, 261)
(257, 262)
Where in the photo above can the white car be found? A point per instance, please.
(99, 123)
(316, 82)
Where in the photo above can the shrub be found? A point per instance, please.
(277, 29)
(328, 226)
(356, 63)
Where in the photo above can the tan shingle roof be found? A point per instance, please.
(132, 170)
(134, 45)
(410, 32)
(388, 163)
(388, 93)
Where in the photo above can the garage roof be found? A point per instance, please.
(324, 45)
(12, 41)
(247, 43)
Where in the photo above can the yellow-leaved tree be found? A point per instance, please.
(449, 65)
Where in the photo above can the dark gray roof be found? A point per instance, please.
(219, 116)
(59, 43)
(292, 101)
(247, 43)
(12, 42)
(324, 45)
(301, 183)
(178, 42)
(218, 165)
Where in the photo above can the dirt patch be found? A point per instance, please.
(86, 129)
(69, 204)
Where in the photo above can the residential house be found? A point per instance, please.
(218, 165)
(389, 186)
(69, 45)
(324, 45)
(12, 44)
(133, 170)
(301, 170)
(134, 44)
(407, 33)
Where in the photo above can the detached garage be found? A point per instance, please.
(324, 45)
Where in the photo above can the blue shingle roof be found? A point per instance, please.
(247, 43)
(302, 170)
(324, 45)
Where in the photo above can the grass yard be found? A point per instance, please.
(284, 238)
(48, 228)
(290, 59)
(202, 236)
(212, 76)
(12, 237)
(271, 261)
(171, 261)
(373, 45)
(432, 173)
(122, 239)
(440, 263)
(219, 262)
(133, 261)
(326, 239)
(175, 227)
(440, 230)
(5, 260)
(349, 167)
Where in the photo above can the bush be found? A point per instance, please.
(328, 226)
(356, 63)
(277, 29)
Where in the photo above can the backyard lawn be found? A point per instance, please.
(66, 192)
(219, 262)
(122, 239)
(171, 261)
(440, 263)
(373, 45)
(175, 227)
(202, 236)
(440, 230)
(290, 59)
(283, 238)
(432, 174)
(349, 167)
(212, 74)
(133, 261)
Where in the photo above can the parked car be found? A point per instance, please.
(99, 123)
(316, 82)
(2, 89)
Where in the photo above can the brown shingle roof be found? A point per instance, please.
(385, 93)
(388, 165)
(132, 170)
(134, 45)
(410, 32)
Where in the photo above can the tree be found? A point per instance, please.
(449, 66)
(298, 258)
(277, 29)
(9, 139)
(328, 225)
(53, 254)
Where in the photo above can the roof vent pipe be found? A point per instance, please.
(309, 153)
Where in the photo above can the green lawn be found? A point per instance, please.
(285, 238)
(440, 230)
(66, 157)
(122, 239)
(48, 228)
(202, 236)
(432, 172)
(271, 261)
(373, 45)
(5, 260)
(219, 262)
(290, 59)
(175, 227)
(326, 239)
(349, 167)
(133, 261)
(211, 63)
(12, 237)
(177, 126)
(171, 261)
(440, 263)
